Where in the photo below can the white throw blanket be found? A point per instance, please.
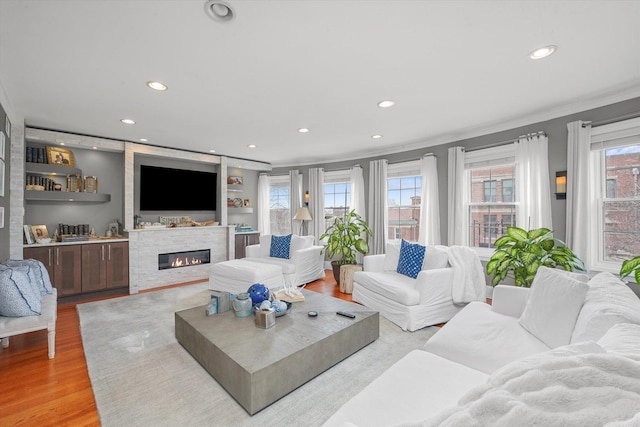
(578, 385)
(468, 275)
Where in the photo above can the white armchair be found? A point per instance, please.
(410, 303)
(305, 263)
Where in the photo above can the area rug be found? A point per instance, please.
(141, 376)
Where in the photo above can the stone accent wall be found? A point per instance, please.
(146, 244)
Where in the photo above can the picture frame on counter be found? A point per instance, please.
(60, 156)
(28, 237)
(39, 232)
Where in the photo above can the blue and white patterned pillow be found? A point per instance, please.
(39, 271)
(280, 246)
(411, 259)
(18, 297)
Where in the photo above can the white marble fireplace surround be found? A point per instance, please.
(146, 244)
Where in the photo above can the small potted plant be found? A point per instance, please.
(346, 237)
(520, 253)
(631, 266)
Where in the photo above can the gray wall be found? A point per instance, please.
(108, 167)
(4, 201)
(556, 130)
(153, 216)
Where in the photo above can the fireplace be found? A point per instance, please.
(183, 259)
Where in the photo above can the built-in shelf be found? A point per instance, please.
(66, 196)
(232, 210)
(47, 169)
(233, 190)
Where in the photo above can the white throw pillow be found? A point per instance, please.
(392, 256)
(624, 339)
(554, 304)
(435, 258)
(297, 243)
(265, 246)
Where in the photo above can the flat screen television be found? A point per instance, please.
(166, 189)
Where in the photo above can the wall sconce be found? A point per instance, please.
(306, 198)
(561, 185)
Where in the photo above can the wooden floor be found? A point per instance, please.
(35, 390)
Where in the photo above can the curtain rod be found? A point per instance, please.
(612, 120)
(499, 144)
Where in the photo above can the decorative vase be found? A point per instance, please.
(242, 305)
(258, 293)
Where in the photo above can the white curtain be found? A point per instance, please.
(578, 209)
(264, 219)
(357, 191)
(316, 202)
(430, 209)
(295, 198)
(533, 189)
(357, 198)
(458, 222)
(378, 217)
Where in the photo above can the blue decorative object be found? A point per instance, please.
(258, 293)
(411, 259)
(280, 246)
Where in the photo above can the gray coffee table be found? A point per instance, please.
(259, 366)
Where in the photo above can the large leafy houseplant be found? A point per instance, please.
(346, 237)
(520, 253)
(631, 266)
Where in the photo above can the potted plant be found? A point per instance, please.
(345, 239)
(631, 266)
(520, 253)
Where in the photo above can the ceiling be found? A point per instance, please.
(455, 69)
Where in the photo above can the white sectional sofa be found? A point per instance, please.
(484, 357)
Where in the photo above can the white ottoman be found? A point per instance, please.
(237, 275)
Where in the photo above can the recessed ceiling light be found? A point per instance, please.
(252, 145)
(219, 10)
(62, 143)
(386, 104)
(212, 151)
(157, 85)
(143, 139)
(128, 121)
(303, 130)
(95, 148)
(376, 136)
(543, 52)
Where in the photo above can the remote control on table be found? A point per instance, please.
(345, 314)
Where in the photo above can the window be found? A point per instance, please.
(279, 205)
(490, 172)
(490, 188)
(615, 166)
(507, 190)
(621, 204)
(404, 194)
(337, 195)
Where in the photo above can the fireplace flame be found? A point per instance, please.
(183, 261)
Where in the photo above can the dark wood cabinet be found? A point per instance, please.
(76, 269)
(94, 268)
(45, 255)
(243, 240)
(63, 264)
(68, 269)
(117, 265)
